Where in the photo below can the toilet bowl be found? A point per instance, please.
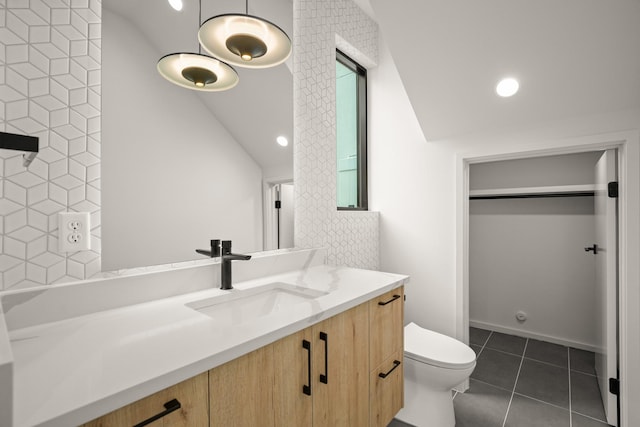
(433, 364)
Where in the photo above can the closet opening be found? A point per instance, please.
(542, 279)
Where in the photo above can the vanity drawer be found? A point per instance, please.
(191, 394)
(386, 314)
(386, 390)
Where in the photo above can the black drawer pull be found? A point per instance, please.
(324, 378)
(396, 363)
(395, 297)
(169, 407)
(306, 389)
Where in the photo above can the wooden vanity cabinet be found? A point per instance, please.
(241, 391)
(340, 356)
(325, 375)
(192, 395)
(316, 377)
(386, 317)
(293, 391)
(263, 388)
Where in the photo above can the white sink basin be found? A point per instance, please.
(240, 306)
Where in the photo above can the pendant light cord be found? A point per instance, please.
(247, 7)
(199, 24)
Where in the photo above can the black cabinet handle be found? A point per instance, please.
(396, 363)
(306, 389)
(395, 297)
(325, 338)
(169, 407)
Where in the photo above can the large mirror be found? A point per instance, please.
(180, 167)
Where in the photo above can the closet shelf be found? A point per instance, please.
(529, 192)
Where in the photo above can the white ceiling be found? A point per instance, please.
(572, 57)
(260, 107)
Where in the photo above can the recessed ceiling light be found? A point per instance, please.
(507, 87)
(282, 141)
(176, 4)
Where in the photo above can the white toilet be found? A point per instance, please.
(433, 365)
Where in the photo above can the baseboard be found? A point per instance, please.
(536, 336)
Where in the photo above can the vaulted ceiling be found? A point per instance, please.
(260, 107)
(572, 58)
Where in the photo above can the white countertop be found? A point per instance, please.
(70, 371)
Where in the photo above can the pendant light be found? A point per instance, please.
(197, 71)
(245, 40)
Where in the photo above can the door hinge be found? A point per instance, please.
(278, 204)
(612, 188)
(614, 386)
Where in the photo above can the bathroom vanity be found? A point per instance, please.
(295, 343)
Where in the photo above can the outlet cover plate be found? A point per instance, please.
(74, 231)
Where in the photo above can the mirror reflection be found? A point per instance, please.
(181, 167)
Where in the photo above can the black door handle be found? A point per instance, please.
(383, 375)
(324, 337)
(593, 248)
(169, 407)
(395, 297)
(306, 389)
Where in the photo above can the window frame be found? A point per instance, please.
(362, 139)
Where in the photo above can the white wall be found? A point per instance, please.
(173, 177)
(413, 185)
(528, 254)
(568, 169)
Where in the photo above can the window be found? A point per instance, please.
(351, 134)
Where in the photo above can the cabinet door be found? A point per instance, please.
(193, 411)
(241, 391)
(386, 314)
(387, 390)
(341, 369)
(293, 391)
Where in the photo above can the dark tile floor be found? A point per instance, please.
(398, 423)
(521, 382)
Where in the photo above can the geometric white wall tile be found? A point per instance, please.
(50, 88)
(320, 26)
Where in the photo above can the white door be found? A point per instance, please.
(285, 228)
(606, 281)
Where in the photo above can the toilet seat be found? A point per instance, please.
(436, 349)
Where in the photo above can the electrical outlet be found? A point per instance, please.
(74, 231)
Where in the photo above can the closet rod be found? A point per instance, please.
(532, 196)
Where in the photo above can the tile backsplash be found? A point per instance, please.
(319, 27)
(50, 88)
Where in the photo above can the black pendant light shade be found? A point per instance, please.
(245, 40)
(246, 46)
(199, 76)
(197, 72)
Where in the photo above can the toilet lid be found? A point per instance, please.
(436, 349)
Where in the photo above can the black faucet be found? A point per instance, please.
(223, 250)
(227, 257)
(215, 249)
